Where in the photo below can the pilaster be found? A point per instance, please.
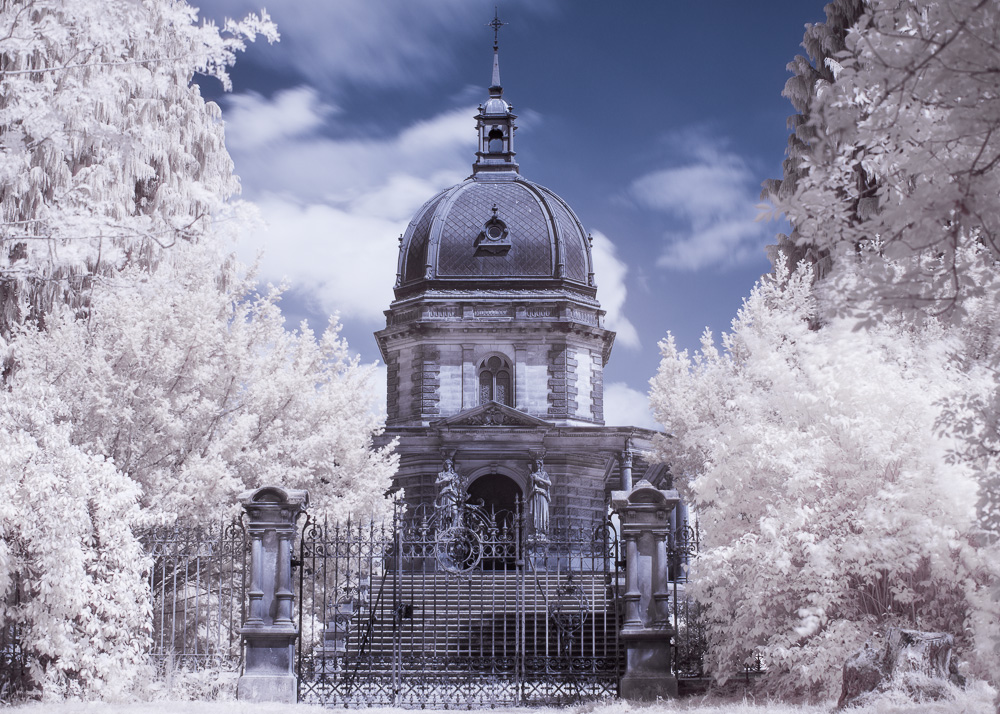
(558, 404)
(392, 386)
(597, 388)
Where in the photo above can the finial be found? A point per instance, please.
(495, 121)
(496, 25)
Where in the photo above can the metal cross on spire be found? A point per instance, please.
(496, 25)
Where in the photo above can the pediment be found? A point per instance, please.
(491, 414)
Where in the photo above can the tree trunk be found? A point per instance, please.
(920, 662)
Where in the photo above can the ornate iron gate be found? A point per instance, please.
(458, 608)
(198, 586)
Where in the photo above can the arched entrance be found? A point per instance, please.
(496, 493)
(502, 500)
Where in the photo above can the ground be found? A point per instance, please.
(979, 700)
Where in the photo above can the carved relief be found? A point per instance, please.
(493, 415)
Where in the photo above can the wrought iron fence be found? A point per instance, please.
(689, 639)
(459, 609)
(197, 583)
(414, 612)
(198, 586)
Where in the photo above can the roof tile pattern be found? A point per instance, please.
(415, 240)
(531, 244)
(574, 251)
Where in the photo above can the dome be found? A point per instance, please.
(495, 106)
(496, 228)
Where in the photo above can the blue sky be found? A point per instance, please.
(656, 121)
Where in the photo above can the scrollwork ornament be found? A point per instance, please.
(458, 549)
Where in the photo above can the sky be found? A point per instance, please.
(655, 120)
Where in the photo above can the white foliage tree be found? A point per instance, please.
(829, 506)
(897, 147)
(67, 551)
(893, 189)
(144, 378)
(891, 186)
(208, 395)
(108, 153)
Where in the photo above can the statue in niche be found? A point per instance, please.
(449, 499)
(540, 498)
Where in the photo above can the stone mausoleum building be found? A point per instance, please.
(495, 345)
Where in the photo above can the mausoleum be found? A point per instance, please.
(496, 346)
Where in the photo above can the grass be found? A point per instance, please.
(978, 699)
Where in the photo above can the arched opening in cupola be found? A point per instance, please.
(495, 141)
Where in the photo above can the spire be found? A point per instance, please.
(496, 90)
(495, 121)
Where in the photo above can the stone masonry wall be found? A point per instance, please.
(450, 379)
(404, 359)
(584, 389)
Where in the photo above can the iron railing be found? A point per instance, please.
(457, 609)
(689, 642)
(198, 583)
(411, 612)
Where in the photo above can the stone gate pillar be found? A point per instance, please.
(644, 513)
(269, 633)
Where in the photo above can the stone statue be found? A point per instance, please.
(449, 498)
(540, 498)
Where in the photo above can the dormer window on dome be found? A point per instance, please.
(494, 239)
(495, 381)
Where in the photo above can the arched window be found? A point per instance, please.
(495, 381)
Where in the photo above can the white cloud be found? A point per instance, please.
(252, 121)
(714, 198)
(624, 406)
(696, 192)
(376, 44)
(400, 196)
(333, 208)
(727, 241)
(345, 262)
(315, 167)
(609, 273)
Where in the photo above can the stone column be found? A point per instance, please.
(644, 513)
(626, 464)
(269, 632)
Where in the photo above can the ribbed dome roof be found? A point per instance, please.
(495, 227)
(537, 235)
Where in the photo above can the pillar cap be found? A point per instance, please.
(274, 495)
(644, 494)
